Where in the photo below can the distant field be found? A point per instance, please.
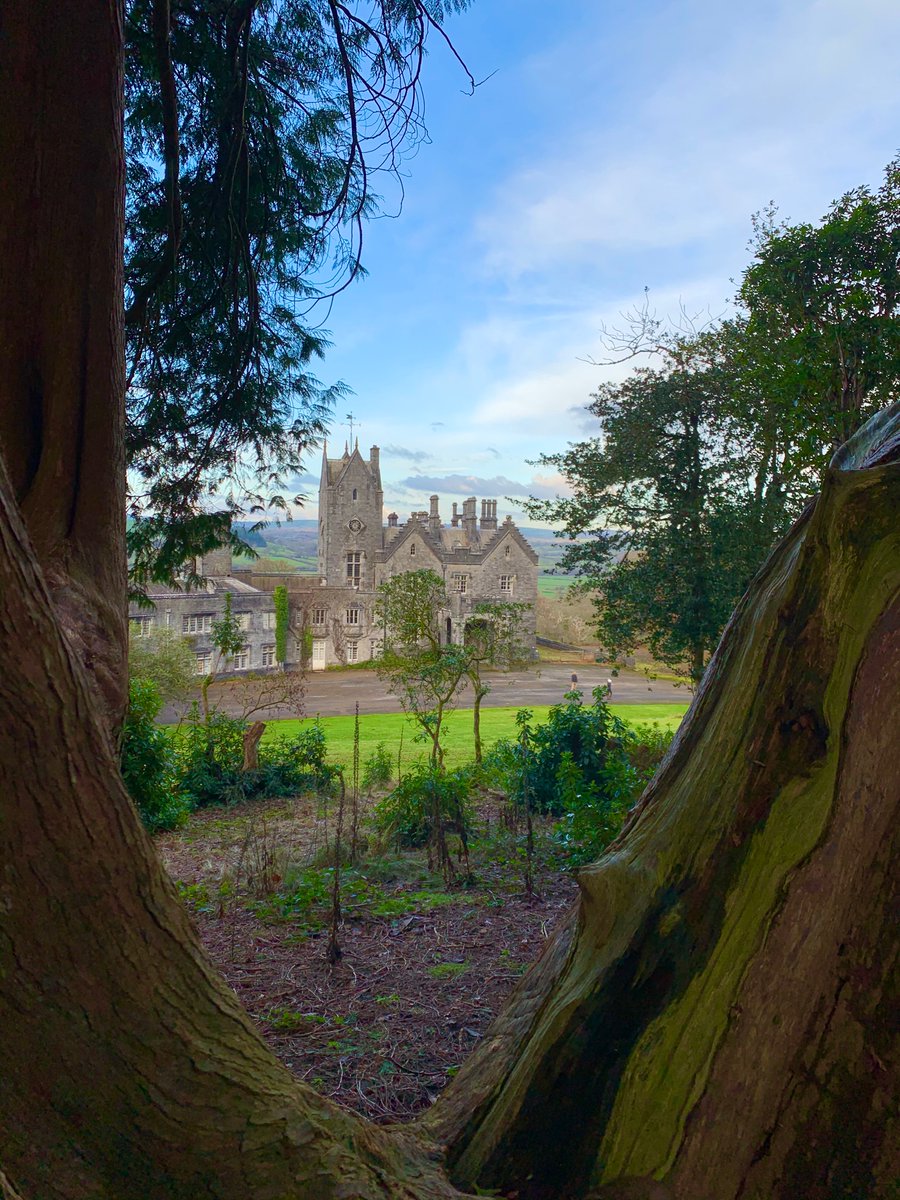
(495, 723)
(554, 585)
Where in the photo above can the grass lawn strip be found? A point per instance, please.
(496, 723)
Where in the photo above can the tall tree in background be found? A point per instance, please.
(821, 320)
(254, 132)
(702, 463)
(665, 499)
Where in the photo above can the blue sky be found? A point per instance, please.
(616, 147)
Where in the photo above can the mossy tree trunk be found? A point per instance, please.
(718, 1013)
(61, 358)
(128, 1070)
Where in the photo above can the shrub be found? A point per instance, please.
(210, 759)
(378, 769)
(148, 761)
(297, 764)
(646, 750)
(209, 756)
(575, 766)
(405, 816)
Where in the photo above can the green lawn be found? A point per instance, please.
(495, 723)
(554, 585)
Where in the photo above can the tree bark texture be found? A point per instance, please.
(252, 738)
(128, 1070)
(720, 1013)
(61, 302)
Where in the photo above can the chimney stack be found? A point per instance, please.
(469, 519)
(434, 517)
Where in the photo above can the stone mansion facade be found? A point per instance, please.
(332, 615)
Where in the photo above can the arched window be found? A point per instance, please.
(355, 494)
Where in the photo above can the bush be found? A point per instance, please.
(406, 815)
(209, 757)
(584, 736)
(297, 764)
(210, 760)
(647, 749)
(378, 769)
(575, 766)
(148, 760)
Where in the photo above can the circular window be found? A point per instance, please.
(355, 525)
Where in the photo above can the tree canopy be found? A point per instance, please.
(666, 497)
(701, 462)
(255, 133)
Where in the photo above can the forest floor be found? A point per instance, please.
(425, 964)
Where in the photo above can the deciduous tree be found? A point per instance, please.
(665, 493)
(424, 674)
(822, 317)
(494, 637)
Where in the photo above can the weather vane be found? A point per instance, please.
(351, 421)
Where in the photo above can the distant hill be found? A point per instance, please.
(297, 542)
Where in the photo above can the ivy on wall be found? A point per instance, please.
(280, 597)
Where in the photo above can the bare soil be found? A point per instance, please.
(424, 965)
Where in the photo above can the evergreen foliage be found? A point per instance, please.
(147, 760)
(280, 597)
(253, 135)
(209, 756)
(575, 766)
(424, 795)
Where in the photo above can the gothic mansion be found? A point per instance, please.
(332, 618)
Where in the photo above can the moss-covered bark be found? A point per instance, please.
(717, 1014)
(128, 1070)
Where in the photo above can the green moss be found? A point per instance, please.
(448, 970)
(668, 1067)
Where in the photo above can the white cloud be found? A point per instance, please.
(757, 106)
(537, 374)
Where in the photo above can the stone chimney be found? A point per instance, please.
(392, 520)
(215, 564)
(434, 517)
(488, 514)
(469, 519)
(454, 520)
